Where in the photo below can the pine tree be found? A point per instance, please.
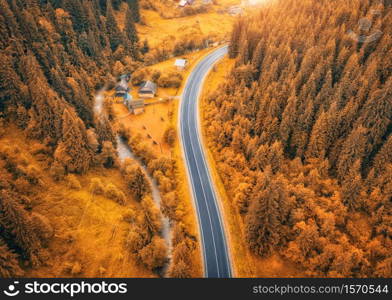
(383, 157)
(47, 108)
(73, 152)
(135, 10)
(258, 58)
(114, 33)
(137, 182)
(235, 39)
(266, 215)
(16, 225)
(79, 18)
(130, 33)
(154, 255)
(150, 219)
(179, 270)
(9, 265)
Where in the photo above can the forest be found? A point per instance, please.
(56, 153)
(301, 132)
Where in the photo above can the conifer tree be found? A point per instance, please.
(114, 33)
(73, 152)
(9, 266)
(135, 10)
(130, 33)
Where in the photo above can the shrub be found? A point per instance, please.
(57, 171)
(154, 255)
(33, 174)
(113, 193)
(136, 240)
(73, 182)
(76, 268)
(137, 181)
(42, 228)
(129, 216)
(96, 186)
(156, 75)
(170, 136)
(172, 79)
(139, 76)
(179, 269)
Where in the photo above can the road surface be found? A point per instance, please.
(214, 246)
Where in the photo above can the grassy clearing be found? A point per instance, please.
(215, 23)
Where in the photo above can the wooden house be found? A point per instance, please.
(147, 89)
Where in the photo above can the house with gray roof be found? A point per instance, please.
(148, 89)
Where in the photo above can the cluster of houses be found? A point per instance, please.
(147, 89)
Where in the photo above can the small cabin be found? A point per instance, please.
(137, 106)
(180, 64)
(148, 89)
(122, 89)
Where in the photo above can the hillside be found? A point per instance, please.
(64, 191)
(301, 134)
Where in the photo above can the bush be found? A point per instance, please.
(76, 268)
(73, 182)
(96, 186)
(108, 156)
(129, 216)
(194, 10)
(137, 182)
(170, 136)
(156, 75)
(139, 76)
(172, 79)
(113, 193)
(179, 269)
(154, 255)
(57, 171)
(33, 175)
(42, 228)
(136, 240)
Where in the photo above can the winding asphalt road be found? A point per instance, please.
(216, 256)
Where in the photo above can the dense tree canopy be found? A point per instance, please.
(302, 131)
(54, 54)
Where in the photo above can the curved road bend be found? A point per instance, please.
(214, 246)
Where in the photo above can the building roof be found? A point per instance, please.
(185, 2)
(148, 87)
(137, 104)
(180, 63)
(122, 86)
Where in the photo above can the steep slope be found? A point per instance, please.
(57, 205)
